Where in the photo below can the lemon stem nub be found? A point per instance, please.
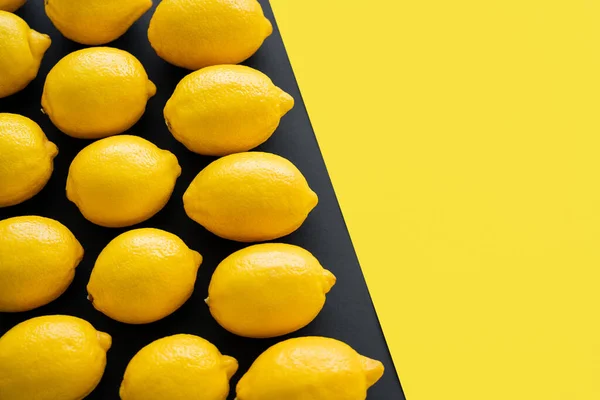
(38, 43)
(268, 28)
(105, 340)
(286, 102)
(150, 88)
(330, 280)
(197, 258)
(231, 366)
(373, 370)
(52, 149)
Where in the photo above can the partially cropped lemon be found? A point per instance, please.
(197, 33)
(11, 5)
(178, 367)
(51, 358)
(94, 22)
(143, 275)
(315, 368)
(21, 53)
(26, 159)
(250, 197)
(38, 257)
(96, 92)
(268, 290)
(122, 180)
(225, 109)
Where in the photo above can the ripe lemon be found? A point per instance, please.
(314, 368)
(50, 358)
(268, 290)
(21, 53)
(94, 22)
(143, 275)
(96, 92)
(122, 180)
(250, 197)
(38, 257)
(178, 367)
(225, 109)
(26, 159)
(197, 33)
(11, 5)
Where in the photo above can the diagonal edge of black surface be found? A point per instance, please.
(348, 315)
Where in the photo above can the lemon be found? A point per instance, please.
(11, 5)
(268, 290)
(94, 22)
(97, 92)
(26, 159)
(55, 357)
(197, 33)
(250, 197)
(122, 180)
(315, 368)
(225, 109)
(178, 367)
(38, 257)
(143, 275)
(21, 53)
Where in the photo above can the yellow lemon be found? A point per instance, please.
(178, 367)
(38, 257)
(51, 358)
(97, 92)
(197, 33)
(121, 180)
(21, 53)
(143, 275)
(26, 159)
(94, 22)
(268, 290)
(314, 368)
(250, 197)
(11, 5)
(225, 109)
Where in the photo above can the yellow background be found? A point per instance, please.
(463, 141)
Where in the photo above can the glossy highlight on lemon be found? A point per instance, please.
(225, 109)
(38, 257)
(11, 5)
(178, 367)
(26, 159)
(197, 33)
(52, 357)
(143, 275)
(268, 290)
(21, 53)
(250, 197)
(315, 368)
(96, 92)
(121, 180)
(95, 22)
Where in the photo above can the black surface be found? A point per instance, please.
(348, 314)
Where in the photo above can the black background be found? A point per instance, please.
(348, 314)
